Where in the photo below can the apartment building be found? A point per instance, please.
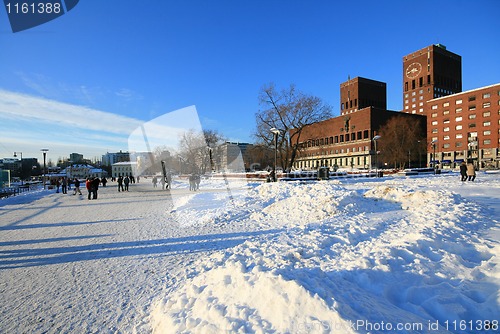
(465, 126)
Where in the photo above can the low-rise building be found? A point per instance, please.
(125, 168)
(344, 141)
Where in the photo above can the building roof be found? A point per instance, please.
(464, 92)
(124, 163)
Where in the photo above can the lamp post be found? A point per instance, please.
(377, 137)
(419, 155)
(473, 145)
(276, 132)
(21, 174)
(211, 160)
(44, 151)
(433, 143)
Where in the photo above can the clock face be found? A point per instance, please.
(413, 70)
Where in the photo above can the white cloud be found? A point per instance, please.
(28, 123)
(16, 106)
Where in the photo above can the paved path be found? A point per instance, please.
(72, 265)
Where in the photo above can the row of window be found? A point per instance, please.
(348, 104)
(460, 135)
(122, 169)
(336, 139)
(459, 110)
(460, 118)
(471, 107)
(338, 151)
(415, 93)
(471, 98)
(462, 144)
(460, 127)
(338, 162)
(463, 153)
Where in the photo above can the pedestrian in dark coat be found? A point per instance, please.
(77, 187)
(192, 185)
(64, 185)
(463, 171)
(126, 181)
(95, 187)
(120, 183)
(197, 180)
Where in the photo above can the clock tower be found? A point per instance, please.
(430, 73)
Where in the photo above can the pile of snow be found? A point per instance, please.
(333, 259)
(391, 254)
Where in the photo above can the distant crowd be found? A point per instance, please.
(92, 184)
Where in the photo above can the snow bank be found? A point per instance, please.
(342, 260)
(234, 299)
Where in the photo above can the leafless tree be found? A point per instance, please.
(399, 137)
(196, 149)
(290, 111)
(260, 157)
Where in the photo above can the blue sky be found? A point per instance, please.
(84, 81)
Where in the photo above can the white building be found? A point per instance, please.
(124, 168)
(82, 171)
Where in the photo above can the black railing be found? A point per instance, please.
(13, 191)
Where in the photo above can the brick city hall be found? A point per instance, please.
(460, 125)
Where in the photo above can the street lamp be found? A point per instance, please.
(276, 133)
(434, 154)
(44, 150)
(419, 155)
(377, 137)
(21, 174)
(473, 145)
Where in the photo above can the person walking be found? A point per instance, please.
(191, 183)
(169, 181)
(197, 180)
(64, 185)
(463, 171)
(126, 181)
(120, 183)
(88, 185)
(155, 182)
(471, 171)
(95, 187)
(77, 187)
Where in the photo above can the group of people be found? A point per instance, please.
(166, 181)
(64, 184)
(194, 182)
(124, 182)
(467, 171)
(92, 185)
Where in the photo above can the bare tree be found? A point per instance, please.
(260, 157)
(399, 137)
(290, 111)
(196, 149)
(214, 140)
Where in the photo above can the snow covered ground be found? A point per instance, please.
(396, 254)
